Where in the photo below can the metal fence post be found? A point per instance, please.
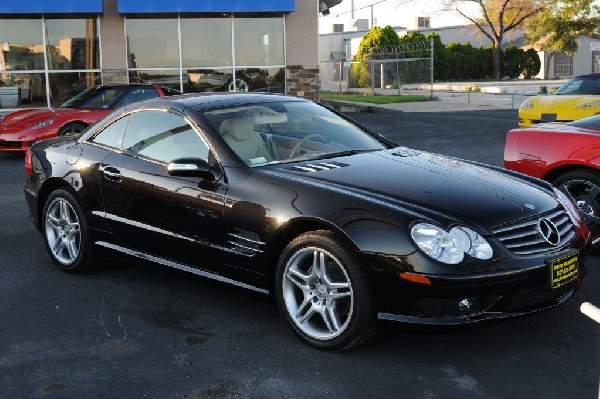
(431, 56)
(373, 76)
(397, 69)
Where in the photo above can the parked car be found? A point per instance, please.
(279, 194)
(21, 128)
(566, 155)
(576, 99)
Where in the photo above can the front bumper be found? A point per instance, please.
(529, 117)
(14, 146)
(473, 297)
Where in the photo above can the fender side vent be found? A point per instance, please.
(315, 167)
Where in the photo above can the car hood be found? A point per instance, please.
(562, 101)
(426, 183)
(22, 119)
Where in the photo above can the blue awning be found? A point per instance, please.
(187, 6)
(51, 7)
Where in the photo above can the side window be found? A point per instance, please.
(163, 136)
(113, 134)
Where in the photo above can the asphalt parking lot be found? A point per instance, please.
(138, 330)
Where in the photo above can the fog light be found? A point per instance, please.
(465, 305)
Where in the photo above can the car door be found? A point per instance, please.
(150, 211)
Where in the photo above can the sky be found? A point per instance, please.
(395, 13)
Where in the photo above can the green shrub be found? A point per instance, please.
(531, 64)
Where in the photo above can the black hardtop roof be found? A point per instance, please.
(200, 101)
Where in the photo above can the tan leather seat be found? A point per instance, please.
(244, 141)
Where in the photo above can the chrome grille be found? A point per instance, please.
(525, 238)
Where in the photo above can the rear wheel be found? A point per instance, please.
(323, 292)
(72, 128)
(584, 187)
(67, 234)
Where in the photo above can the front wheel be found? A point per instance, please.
(323, 292)
(584, 187)
(72, 128)
(66, 233)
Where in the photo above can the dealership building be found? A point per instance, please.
(50, 50)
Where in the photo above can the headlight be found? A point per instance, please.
(569, 206)
(588, 105)
(527, 105)
(450, 247)
(41, 124)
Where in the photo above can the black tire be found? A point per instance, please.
(67, 235)
(335, 304)
(583, 186)
(72, 128)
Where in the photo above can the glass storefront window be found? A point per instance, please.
(206, 42)
(21, 44)
(153, 43)
(72, 44)
(64, 85)
(259, 41)
(268, 80)
(166, 78)
(207, 80)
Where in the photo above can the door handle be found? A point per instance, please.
(111, 173)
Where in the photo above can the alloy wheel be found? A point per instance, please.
(63, 231)
(317, 293)
(585, 194)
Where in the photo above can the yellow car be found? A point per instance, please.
(576, 99)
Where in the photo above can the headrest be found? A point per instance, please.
(239, 129)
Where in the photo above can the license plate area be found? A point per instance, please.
(563, 270)
(545, 118)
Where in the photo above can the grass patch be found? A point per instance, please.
(374, 99)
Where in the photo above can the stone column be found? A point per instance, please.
(303, 81)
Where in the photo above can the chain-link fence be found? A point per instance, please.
(390, 67)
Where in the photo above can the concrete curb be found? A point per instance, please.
(348, 106)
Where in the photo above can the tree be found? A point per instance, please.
(499, 17)
(557, 28)
(360, 74)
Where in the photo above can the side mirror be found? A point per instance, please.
(194, 167)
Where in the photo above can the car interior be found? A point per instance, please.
(260, 135)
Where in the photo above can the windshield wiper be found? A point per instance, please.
(343, 153)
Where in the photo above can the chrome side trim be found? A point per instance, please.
(141, 225)
(179, 266)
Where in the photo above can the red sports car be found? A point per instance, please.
(568, 156)
(21, 128)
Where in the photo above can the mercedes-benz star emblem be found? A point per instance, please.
(549, 231)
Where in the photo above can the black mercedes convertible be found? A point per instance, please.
(279, 194)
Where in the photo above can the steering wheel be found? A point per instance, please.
(297, 147)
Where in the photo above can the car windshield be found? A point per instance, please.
(580, 85)
(96, 98)
(282, 132)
